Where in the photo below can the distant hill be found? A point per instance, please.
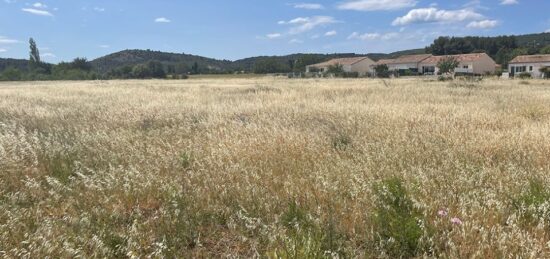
(134, 57)
(180, 63)
(210, 65)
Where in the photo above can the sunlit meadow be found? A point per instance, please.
(275, 168)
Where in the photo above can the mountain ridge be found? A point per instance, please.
(184, 63)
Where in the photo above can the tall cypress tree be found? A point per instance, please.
(195, 68)
(34, 54)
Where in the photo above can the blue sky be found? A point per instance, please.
(65, 29)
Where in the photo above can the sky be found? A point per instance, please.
(222, 29)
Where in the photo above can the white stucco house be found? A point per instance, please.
(361, 65)
(528, 64)
(405, 63)
(476, 64)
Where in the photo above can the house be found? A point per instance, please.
(404, 64)
(529, 64)
(476, 64)
(361, 65)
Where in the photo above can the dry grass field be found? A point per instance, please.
(276, 168)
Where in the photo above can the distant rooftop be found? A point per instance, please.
(459, 58)
(531, 59)
(340, 61)
(405, 59)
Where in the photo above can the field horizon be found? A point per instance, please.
(275, 168)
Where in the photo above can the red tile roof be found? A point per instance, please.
(407, 59)
(461, 58)
(340, 61)
(531, 59)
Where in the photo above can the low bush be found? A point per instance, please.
(341, 142)
(350, 74)
(306, 238)
(468, 82)
(398, 224)
(186, 159)
(525, 75)
(533, 203)
(444, 78)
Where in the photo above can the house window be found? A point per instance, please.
(521, 69)
(531, 68)
(428, 70)
(466, 67)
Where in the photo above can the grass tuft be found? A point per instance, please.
(397, 223)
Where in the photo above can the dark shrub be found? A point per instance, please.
(397, 223)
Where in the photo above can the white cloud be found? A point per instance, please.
(3, 50)
(353, 35)
(476, 5)
(373, 36)
(295, 41)
(485, 24)
(509, 2)
(39, 5)
(37, 12)
(548, 31)
(366, 36)
(104, 46)
(390, 36)
(162, 20)
(434, 15)
(376, 5)
(273, 35)
(309, 6)
(303, 24)
(4, 40)
(330, 33)
(99, 9)
(48, 55)
(295, 20)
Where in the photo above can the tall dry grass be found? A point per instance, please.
(269, 167)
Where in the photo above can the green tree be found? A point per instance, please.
(447, 65)
(336, 69)
(195, 68)
(291, 64)
(465, 45)
(11, 74)
(270, 65)
(156, 69)
(545, 50)
(306, 60)
(80, 64)
(141, 71)
(123, 72)
(181, 68)
(382, 70)
(503, 56)
(545, 71)
(34, 54)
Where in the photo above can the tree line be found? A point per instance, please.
(145, 65)
(81, 69)
(502, 48)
